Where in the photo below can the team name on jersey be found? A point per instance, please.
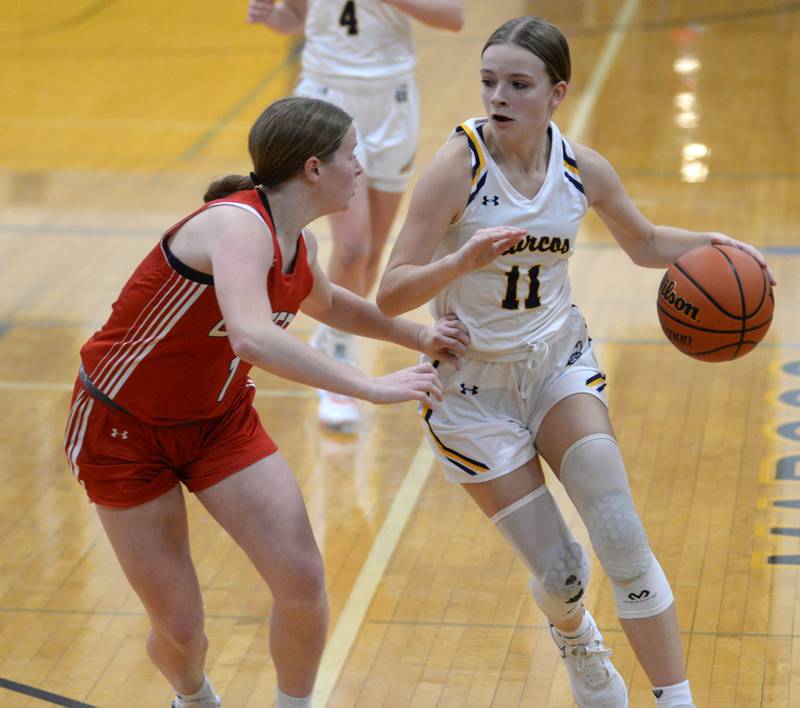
(554, 244)
(282, 319)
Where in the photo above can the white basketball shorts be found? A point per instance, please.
(386, 116)
(487, 423)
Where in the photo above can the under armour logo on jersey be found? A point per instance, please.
(117, 434)
(658, 692)
(491, 200)
(401, 94)
(576, 353)
(469, 389)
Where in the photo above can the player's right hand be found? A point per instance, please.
(416, 383)
(485, 245)
(259, 11)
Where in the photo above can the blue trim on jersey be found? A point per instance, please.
(478, 188)
(575, 182)
(476, 156)
(186, 271)
(569, 160)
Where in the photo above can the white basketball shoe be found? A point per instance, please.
(335, 411)
(594, 681)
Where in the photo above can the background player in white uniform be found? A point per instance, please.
(360, 55)
(491, 225)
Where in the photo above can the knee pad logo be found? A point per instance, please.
(643, 595)
(567, 573)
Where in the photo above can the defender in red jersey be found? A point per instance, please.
(163, 395)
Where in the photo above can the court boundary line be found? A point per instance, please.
(355, 610)
(197, 145)
(88, 13)
(42, 695)
(618, 32)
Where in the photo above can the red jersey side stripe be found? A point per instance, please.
(78, 435)
(142, 336)
(147, 324)
(169, 284)
(171, 319)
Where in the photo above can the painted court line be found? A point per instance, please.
(41, 695)
(349, 622)
(580, 117)
(352, 616)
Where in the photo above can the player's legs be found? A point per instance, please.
(261, 507)
(151, 542)
(655, 639)
(523, 510)
(502, 493)
(383, 208)
(350, 232)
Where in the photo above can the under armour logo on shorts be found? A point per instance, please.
(119, 434)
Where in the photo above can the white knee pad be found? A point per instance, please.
(560, 589)
(535, 528)
(593, 474)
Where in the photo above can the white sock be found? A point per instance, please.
(580, 635)
(679, 694)
(285, 701)
(206, 693)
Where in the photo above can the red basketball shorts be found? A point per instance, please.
(122, 462)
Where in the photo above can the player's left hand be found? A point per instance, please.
(446, 340)
(723, 240)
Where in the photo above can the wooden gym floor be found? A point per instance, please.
(113, 117)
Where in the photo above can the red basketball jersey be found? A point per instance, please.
(163, 355)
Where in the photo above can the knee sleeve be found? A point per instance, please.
(593, 474)
(535, 528)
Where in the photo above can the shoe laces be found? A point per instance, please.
(592, 662)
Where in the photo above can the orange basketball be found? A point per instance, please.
(715, 303)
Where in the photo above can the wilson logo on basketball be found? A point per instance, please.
(670, 295)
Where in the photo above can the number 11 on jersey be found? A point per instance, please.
(510, 301)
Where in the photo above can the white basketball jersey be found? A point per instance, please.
(524, 294)
(357, 39)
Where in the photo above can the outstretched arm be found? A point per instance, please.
(443, 14)
(411, 278)
(646, 244)
(287, 17)
(446, 340)
(241, 253)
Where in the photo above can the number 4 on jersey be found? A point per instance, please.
(510, 301)
(348, 17)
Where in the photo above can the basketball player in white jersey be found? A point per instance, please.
(491, 225)
(360, 55)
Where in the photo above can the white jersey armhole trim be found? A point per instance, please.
(246, 207)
